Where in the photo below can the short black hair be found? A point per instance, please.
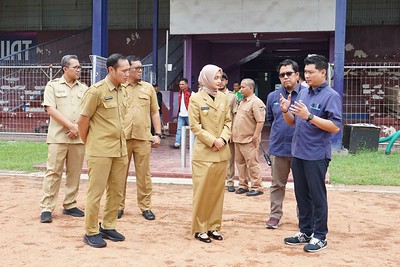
(112, 61)
(184, 79)
(320, 62)
(132, 58)
(288, 62)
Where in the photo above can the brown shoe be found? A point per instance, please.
(272, 223)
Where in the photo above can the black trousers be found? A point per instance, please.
(310, 191)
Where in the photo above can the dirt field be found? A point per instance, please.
(363, 231)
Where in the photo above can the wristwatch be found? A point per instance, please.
(310, 117)
(158, 134)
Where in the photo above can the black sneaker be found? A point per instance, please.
(74, 212)
(316, 245)
(95, 241)
(120, 214)
(45, 217)
(111, 234)
(297, 239)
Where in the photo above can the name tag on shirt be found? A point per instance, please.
(108, 98)
(204, 108)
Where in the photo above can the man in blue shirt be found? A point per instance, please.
(280, 138)
(317, 115)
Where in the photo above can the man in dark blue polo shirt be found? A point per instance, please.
(280, 138)
(317, 115)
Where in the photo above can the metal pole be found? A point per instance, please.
(191, 140)
(155, 40)
(183, 146)
(166, 61)
(338, 79)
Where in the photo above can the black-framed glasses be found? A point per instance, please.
(283, 74)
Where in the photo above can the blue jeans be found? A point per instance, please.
(182, 121)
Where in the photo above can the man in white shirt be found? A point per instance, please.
(183, 102)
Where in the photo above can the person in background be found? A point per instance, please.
(246, 134)
(101, 127)
(62, 99)
(183, 103)
(280, 138)
(302, 81)
(142, 111)
(160, 104)
(210, 122)
(230, 170)
(236, 91)
(316, 116)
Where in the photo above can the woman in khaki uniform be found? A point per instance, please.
(210, 121)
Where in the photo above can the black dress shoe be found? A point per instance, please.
(215, 235)
(95, 241)
(203, 237)
(45, 217)
(74, 212)
(148, 215)
(175, 146)
(254, 193)
(242, 191)
(120, 213)
(231, 188)
(111, 234)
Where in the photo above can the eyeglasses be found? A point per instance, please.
(77, 68)
(283, 74)
(137, 68)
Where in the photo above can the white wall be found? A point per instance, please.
(243, 16)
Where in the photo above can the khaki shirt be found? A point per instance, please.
(250, 111)
(105, 105)
(67, 101)
(142, 102)
(209, 119)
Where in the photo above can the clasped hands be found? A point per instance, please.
(219, 144)
(73, 132)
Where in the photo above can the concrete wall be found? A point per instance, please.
(240, 16)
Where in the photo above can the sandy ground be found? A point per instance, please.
(363, 231)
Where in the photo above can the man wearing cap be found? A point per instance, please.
(232, 99)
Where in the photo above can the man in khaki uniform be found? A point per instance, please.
(232, 99)
(246, 133)
(142, 110)
(101, 127)
(62, 99)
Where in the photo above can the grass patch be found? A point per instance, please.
(366, 168)
(22, 156)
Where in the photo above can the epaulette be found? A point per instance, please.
(55, 80)
(99, 83)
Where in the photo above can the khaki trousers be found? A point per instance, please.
(230, 169)
(248, 164)
(208, 195)
(280, 169)
(140, 150)
(59, 154)
(104, 174)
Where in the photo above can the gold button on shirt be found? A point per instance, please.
(249, 112)
(141, 103)
(105, 105)
(67, 101)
